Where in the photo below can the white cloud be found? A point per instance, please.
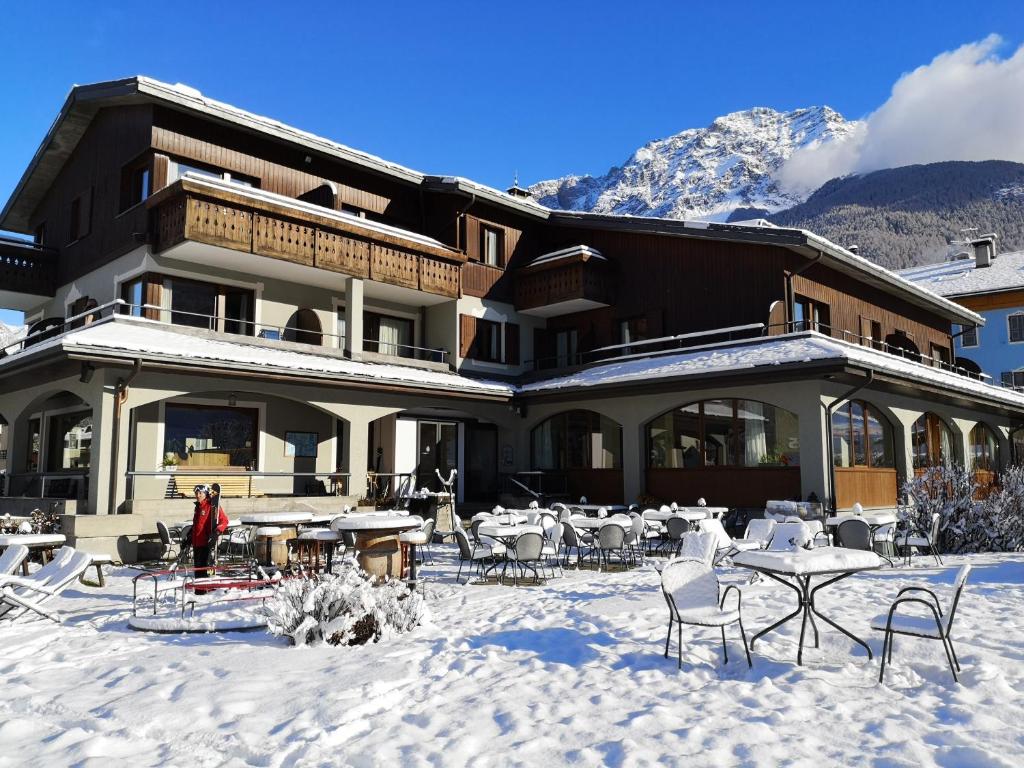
(967, 104)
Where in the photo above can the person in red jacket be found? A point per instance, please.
(208, 522)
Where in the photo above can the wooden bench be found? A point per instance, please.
(98, 561)
(231, 486)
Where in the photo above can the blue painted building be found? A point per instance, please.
(991, 284)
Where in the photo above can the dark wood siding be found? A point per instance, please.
(115, 137)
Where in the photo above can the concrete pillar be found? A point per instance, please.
(962, 441)
(354, 318)
(101, 459)
(903, 445)
(633, 455)
(357, 435)
(814, 455)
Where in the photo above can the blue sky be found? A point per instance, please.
(482, 90)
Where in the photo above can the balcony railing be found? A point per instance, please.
(27, 268)
(277, 227)
(406, 351)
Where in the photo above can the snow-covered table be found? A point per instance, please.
(45, 542)
(377, 542)
(275, 518)
(873, 519)
(611, 509)
(689, 514)
(594, 523)
(795, 569)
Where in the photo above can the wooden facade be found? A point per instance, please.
(871, 486)
(724, 486)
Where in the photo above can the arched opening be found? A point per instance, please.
(864, 456)
(732, 452)
(52, 453)
(984, 457)
(968, 365)
(900, 344)
(304, 327)
(584, 448)
(931, 443)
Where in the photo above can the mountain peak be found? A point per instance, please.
(703, 173)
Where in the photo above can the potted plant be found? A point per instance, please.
(170, 461)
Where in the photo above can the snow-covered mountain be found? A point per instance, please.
(703, 173)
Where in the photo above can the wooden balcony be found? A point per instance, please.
(563, 287)
(278, 228)
(28, 273)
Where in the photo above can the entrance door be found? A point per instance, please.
(438, 449)
(481, 462)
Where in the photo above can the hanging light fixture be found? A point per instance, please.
(232, 400)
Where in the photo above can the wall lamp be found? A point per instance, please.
(88, 369)
(232, 400)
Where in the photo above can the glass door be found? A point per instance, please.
(438, 450)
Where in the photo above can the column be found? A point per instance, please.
(633, 475)
(101, 466)
(815, 461)
(357, 435)
(354, 318)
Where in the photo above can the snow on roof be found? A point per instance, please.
(963, 277)
(765, 353)
(137, 336)
(318, 210)
(566, 253)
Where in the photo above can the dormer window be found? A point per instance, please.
(491, 247)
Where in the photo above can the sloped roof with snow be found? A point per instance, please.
(964, 277)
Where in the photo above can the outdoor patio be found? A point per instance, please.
(569, 671)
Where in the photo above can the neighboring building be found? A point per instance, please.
(991, 284)
(214, 294)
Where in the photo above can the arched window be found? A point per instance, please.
(900, 344)
(577, 440)
(861, 437)
(932, 442)
(304, 327)
(724, 433)
(984, 448)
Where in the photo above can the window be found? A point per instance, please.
(931, 442)
(490, 246)
(354, 210)
(861, 437)
(135, 183)
(388, 335)
(488, 341)
(69, 441)
(577, 440)
(984, 449)
(34, 444)
(39, 236)
(191, 303)
(134, 293)
(1016, 326)
(810, 315)
(211, 436)
(632, 329)
(724, 433)
(180, 168)
(567, 345)
(80, 217)
(969, 336)
(1013, 379)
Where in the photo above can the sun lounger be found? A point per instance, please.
(23, 594)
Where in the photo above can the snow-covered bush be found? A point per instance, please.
(950, 492)
(1004, 511)
(350, 608)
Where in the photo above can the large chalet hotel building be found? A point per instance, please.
(213, 294)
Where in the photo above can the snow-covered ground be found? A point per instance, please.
(570, 672)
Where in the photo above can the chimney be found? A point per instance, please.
(984, 250)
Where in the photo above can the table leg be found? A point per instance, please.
(829, 621)
(412, 566)
(797, 612)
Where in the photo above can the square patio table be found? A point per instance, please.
(795, 569)
(44, 542)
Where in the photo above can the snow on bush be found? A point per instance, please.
(350, 608)
(967, 524)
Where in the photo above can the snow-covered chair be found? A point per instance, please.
(12, 558)
(476, 554)
(926, 540)
(789, 535)
(759, 531)
(725, 546)
(697, 546)
(552, 549)
(936, 626)
(527, 553)
(572, 539)
(611, 540)
(854, 533)
(692, 592)
(20, 595)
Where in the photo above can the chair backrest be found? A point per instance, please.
(602, 512)
(564, 514)
(570, 535)
(611, 536)
(12, 558)
(67, 565)
(637, 527)
(854, 534)
(554, 534)
(933, 534)
(689, 584)
(428, 529)
(474, 528)
(465, 548)
(665, 508)
(547, 520)
(164, 533)
(760, 529)
(814, 526)
(698, 546)
(958, 587)
(714, 526)
(675, 527)
(529, 546)
(786, 535)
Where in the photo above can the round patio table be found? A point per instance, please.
(377, 542)
(795, 569)
(275, 548)
(506, 534)
(594, 523)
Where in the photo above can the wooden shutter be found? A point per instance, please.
(161, 170)
(467, 336)
(511, 343)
